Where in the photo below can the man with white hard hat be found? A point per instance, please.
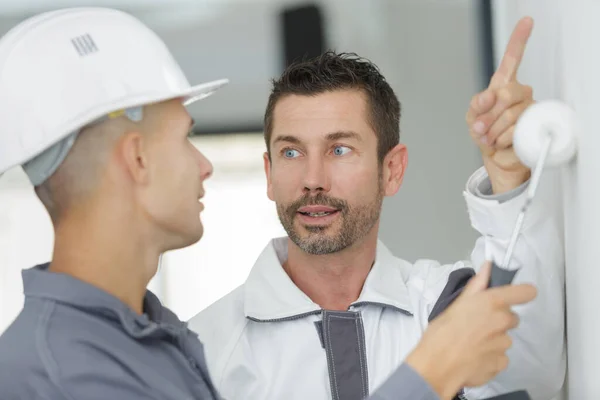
(92, 106)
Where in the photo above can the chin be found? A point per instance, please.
(316, 234)
(320, 230)
(195, 236)
(189, 237)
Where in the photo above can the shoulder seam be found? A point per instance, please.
(233, 345)
(43, 348)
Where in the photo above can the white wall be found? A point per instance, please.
(25, 240)
(581, 63)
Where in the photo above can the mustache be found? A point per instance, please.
(320, 199)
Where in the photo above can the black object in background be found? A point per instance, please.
(303, 33)
(487, 40)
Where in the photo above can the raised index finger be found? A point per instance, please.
(507, 70)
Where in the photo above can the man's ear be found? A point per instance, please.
(133, 155)
(394, 167)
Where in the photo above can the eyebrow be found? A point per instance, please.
(343, 135)
(287, 139)
(331, 137)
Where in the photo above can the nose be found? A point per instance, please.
(206, 167)
(316, 177)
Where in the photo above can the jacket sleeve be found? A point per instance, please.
(405, 384)
(537, 356)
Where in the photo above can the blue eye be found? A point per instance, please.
(290, 153)
(340, 150)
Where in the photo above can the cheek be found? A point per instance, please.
(286, 180)
(176, 181)
(188, 176)
(171, 197)
(173, 165)
(355, 183)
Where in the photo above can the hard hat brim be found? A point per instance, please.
(202, 91)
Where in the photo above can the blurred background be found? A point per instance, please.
(436, 54)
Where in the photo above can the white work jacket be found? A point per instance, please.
(268, 340)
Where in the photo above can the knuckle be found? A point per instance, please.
(489, 119)
(502, 363)
(505, 95)
(472, 111)
(510, 116)
(506, 321)
(504, 141)
(515, 320)
(494, 133)
(473, 102)
(507, 343)
(528, 91)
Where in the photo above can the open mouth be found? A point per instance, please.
(317, 214)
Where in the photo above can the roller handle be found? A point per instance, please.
(520, 395)
(501, 276)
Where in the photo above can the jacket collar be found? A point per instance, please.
(270, 294)
(39, 282)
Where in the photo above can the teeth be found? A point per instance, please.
(319, 214)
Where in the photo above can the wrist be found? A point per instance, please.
(505, 181)
(500, 186)
(438, 371)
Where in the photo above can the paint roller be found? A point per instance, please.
(545, 136)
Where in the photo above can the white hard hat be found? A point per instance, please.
(62, 70)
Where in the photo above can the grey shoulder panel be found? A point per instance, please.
(457, 280)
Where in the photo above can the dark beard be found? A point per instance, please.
(356, 223)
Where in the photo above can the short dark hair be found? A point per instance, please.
(340, 71)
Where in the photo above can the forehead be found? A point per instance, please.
(167, 117)
(172, 111)
(309, 117)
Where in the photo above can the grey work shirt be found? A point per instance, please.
(73, 341)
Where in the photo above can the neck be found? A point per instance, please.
(118, 261)
(333, 281)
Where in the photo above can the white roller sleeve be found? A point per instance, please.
(545, 118)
